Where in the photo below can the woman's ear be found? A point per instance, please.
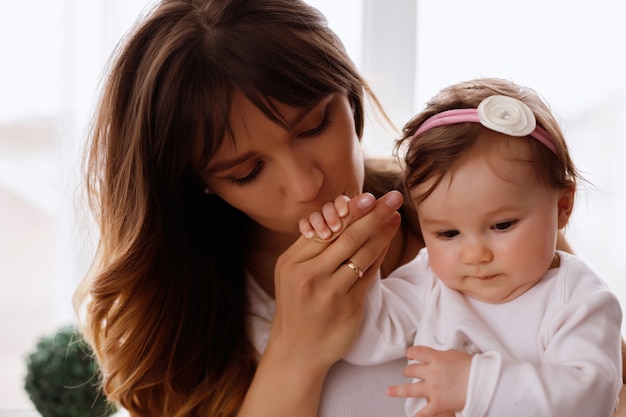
(201, 185)
(565, 205)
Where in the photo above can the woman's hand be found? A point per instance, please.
(319, 307)
(319, 299)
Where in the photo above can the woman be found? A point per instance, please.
(221, 124)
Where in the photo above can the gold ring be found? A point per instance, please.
(354, 267)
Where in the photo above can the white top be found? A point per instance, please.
(349, 390)
(553, 351)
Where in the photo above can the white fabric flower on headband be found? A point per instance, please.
(506, 115)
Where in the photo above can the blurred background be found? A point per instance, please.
(54, 52)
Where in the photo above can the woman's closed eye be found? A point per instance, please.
(248, 178)
(319, 129)
(313, 125)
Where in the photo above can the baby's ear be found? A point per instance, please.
(565, 205)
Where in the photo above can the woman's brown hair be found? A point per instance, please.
(164, 303)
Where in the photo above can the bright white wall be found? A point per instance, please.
(572, 52)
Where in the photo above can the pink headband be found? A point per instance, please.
(501, 114)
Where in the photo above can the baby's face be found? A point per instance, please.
(490, 226)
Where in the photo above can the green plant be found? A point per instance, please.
(62, 377)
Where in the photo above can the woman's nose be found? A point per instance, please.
(302, 179)
(476, 252)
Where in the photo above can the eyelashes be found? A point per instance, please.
(498, 227)
(316, 131)
(504, 225)
(319, 129)
(250, 177)
(448, 234)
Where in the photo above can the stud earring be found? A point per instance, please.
(206, 190)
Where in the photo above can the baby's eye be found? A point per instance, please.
(448, 234)
(504, 225)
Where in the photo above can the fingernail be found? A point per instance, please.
(365, 200)
(393, 200)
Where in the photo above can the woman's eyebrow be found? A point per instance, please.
(229, 163)
(303, 113)
(299, 116)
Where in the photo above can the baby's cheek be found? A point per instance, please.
(441, 263)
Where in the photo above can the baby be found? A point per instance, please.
(502, 323)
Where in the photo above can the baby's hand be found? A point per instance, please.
(442, 378)
(323, 224)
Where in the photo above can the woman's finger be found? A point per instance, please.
(360, 283)
(364, 248)
(361, 286)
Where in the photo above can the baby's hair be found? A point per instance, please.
(437, 151)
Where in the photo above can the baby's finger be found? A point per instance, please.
(411, 390)
(361, 241)
(420, 353)
(335, 215)
(332, 217)
(305, 249)
(341, 205)
(318, 222)
(416, 370)
(306, 229)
